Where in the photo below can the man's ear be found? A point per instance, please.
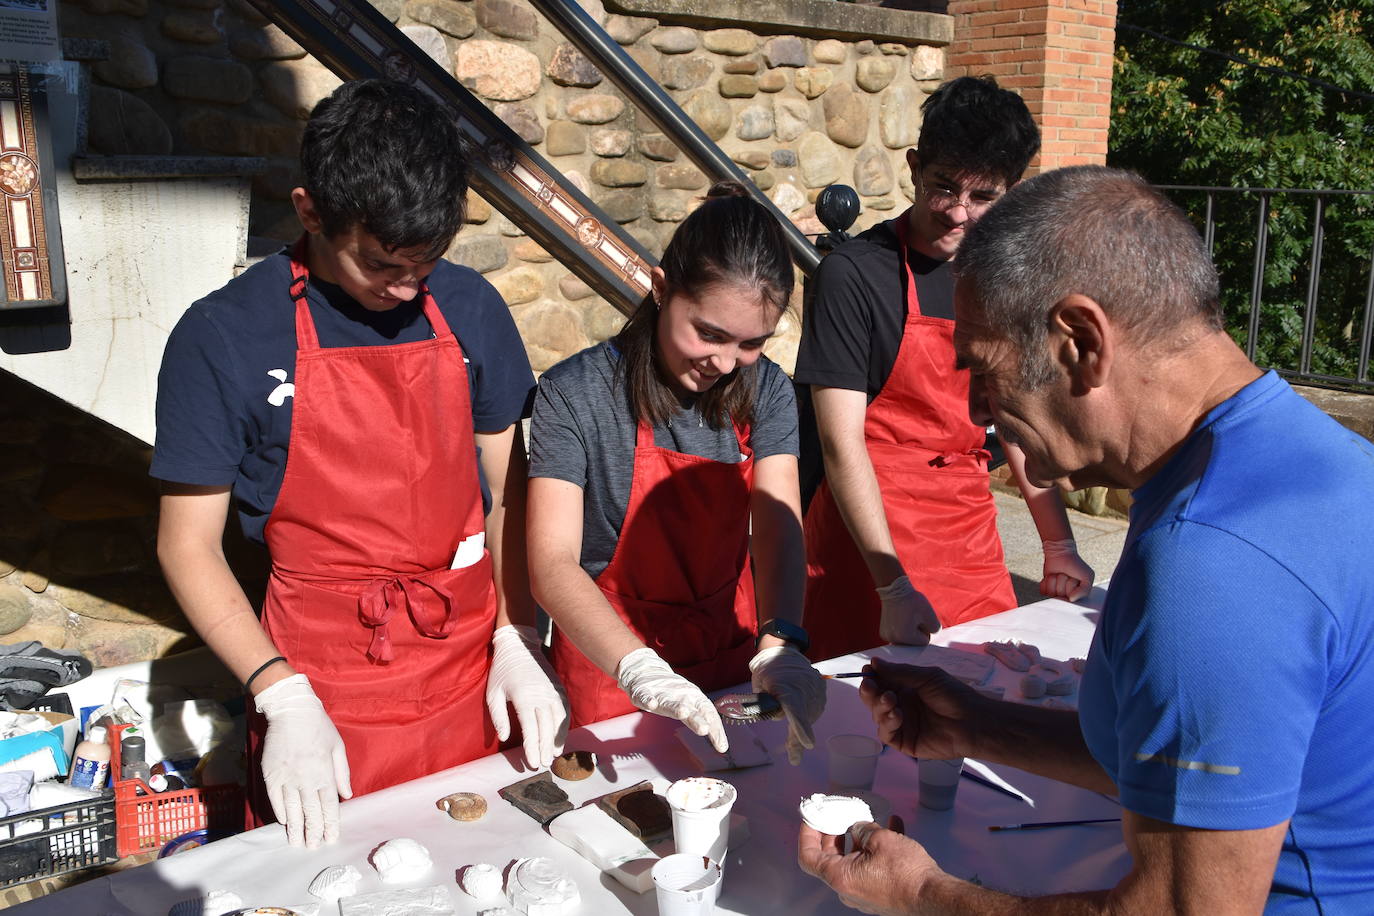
(1083, 340)
(306, 212)
(913, 162)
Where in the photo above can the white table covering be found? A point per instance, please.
(761, 876)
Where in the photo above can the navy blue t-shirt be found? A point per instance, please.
(224, 392)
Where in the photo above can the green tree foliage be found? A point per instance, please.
(1230, 119)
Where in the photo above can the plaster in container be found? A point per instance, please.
(834, 814)
(401, 860)
(538, 887)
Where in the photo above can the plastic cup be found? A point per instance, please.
(686, 884)
(701, 816)
(853, 761)
(939, 782)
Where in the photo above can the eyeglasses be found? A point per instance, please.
(942, 196)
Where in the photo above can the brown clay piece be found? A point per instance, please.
(463, 806)
(574, 765)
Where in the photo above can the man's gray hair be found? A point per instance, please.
(1098, 232)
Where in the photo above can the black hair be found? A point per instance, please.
(385, 156)
(730, 238)
(973, 125)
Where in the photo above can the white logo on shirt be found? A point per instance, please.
(281, 392)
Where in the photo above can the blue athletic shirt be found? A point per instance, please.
(1230, 684)
(224, 397)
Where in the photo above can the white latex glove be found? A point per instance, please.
(521, 676)
(304, 762)
(787, 675)
(908, 619)
(1066, 575)
(653, 686)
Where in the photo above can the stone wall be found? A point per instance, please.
(797, 112)
(77, 525)
(213, 77)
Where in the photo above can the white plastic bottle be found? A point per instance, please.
(91, 760)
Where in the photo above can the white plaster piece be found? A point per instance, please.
(538, 887)
(1056, 703)
(746, 749)
(401, 860)
(968, 667)
(497, 911)
(834, 814)
(215, 903)
(1061, 686)
(482, 881)
(1008, 655)
(336, 881)
(700, 793)
(1078, 664)
(1032, 687)
(416, 901)
(595, 836)
(1031, 652)
(993, 692)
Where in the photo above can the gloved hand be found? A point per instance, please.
(304, 762)
(653, 686)
(521, 676)
(1066, 575)
(908, 619)
(787, 675)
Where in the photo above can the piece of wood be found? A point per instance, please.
(538, 797)
(641, 811)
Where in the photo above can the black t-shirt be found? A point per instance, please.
(852, 325)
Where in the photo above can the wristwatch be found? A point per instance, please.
(786, 631)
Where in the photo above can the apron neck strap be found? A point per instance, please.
(902, 227)
(306, 338)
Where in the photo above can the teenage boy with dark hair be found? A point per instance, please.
(901, 536)
(397, 623)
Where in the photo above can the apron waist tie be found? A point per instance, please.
(379, 602)
(980, 455)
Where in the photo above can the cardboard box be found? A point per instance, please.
(56, 742)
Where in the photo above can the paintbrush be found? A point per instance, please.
(1046, 825)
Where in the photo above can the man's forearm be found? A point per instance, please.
(1047, 742)
(505, 467)
(946, 895)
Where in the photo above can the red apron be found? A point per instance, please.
(932, 471)
(679, 578)
(380, 487)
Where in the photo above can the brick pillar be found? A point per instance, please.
(1057, 54)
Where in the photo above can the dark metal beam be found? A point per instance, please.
(356, 42)
(589, 38)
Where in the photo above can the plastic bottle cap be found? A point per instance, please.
(96, 734)
(132, 749)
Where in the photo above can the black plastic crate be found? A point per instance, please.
(74, 836)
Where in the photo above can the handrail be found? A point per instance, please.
(1304, 370)
(355, 41)
(622, 70)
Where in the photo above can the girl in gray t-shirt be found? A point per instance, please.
(664, 515)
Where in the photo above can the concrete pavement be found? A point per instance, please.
(1099, 544)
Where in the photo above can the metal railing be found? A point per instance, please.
(1334, 342)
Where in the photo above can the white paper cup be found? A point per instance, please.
(853, 761)
(939, 782)
(701, 816)
(686, 884)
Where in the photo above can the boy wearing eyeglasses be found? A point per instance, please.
(901, 535)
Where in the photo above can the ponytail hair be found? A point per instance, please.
(730, 239)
